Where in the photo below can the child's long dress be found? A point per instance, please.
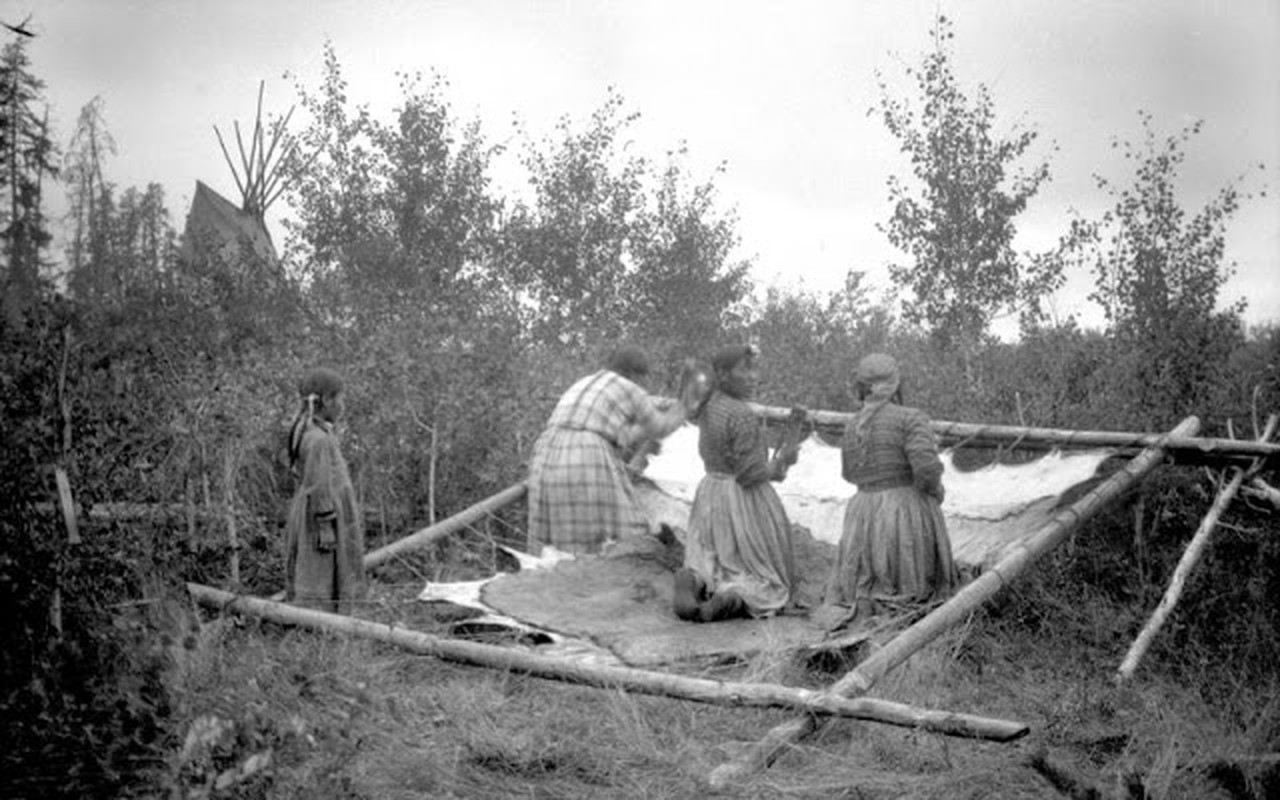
(324, 579)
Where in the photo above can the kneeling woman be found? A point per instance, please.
(894, 549)
(738, 558)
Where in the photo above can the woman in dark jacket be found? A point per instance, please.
(738, 559)
(894, 549)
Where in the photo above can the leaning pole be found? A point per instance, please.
(444, 527)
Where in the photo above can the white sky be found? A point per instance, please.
(778, 90)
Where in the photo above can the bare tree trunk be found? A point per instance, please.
(431, 474)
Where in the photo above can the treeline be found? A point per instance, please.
(165, 382)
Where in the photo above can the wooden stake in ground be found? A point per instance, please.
(955, 610)
(702, 690)
(67, 504)
(1185, 564)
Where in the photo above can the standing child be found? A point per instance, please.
(324, 561)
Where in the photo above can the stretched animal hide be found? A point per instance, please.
(618, 606)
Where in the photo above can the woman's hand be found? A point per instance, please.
(788, 454)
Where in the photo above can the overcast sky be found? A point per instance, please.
(779, 91)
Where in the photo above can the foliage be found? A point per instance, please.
(117, 244)
(811, 343)
(458, 316)
(396, 225)
(29, 156)
(82, 685)
(605, 252)
(1050, 378)
(957, 225)
(394, 220)
(569, 248)
(1159, 273)
(82, 170)
(682, 288)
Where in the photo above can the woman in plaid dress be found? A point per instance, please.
(580, 496)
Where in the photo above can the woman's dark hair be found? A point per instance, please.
(726, 358)
(697, 380)
(321, 381)
(317, 385)
(628, 361)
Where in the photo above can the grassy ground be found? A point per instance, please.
(268, 711)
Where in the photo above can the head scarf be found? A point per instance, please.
(878, 373)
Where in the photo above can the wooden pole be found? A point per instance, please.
(699, 690)
(955, 610)
(445, 527)
(67, 504)
(229, 514)
(951, 432)
(1190, 557)
(1264, 490)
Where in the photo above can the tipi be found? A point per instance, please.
(222, 237)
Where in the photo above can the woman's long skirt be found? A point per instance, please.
(740, 540)
(894, 550)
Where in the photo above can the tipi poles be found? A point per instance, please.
(955, 610)
(1190, 557)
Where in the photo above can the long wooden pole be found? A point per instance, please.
(1183, 445)
(462, 519)
(1190, 557)
(955, 610)
(700, 690)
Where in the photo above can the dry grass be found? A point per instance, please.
(356, 719)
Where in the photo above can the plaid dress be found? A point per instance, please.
(739, 536)
(324, 579)
(580, 496)
(895, 548)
